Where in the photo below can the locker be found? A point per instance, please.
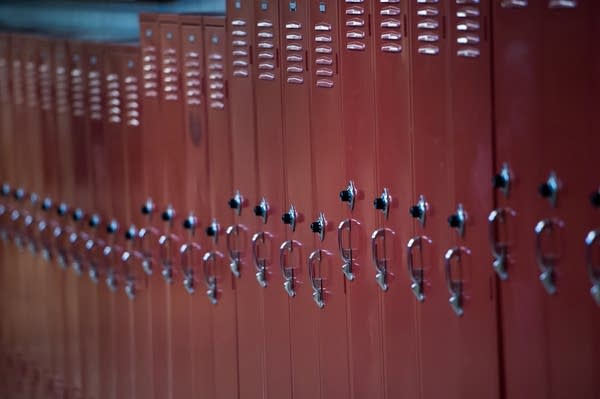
(296, 82)
(197, 202)
(327, 282)
(271, 200)
(548, 201)
(218, 275)
(173, 142)
(364, 320)
(154, 202)
(240, 86)
(394, 195)
(135, 280)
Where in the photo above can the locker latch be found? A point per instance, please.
(19, 194)
(262, 210)
(349, 194)
(259, 263)
(46, 204)
(380, 263)
(458, 219)
(112, 227)
(190, 223)
(316, 282)
(419, 210)
(499, 250)
(501, 181)
(382, 203)
(94, 221)
(164, 248)
(131, 232)
(454, 286)
(593, 271)
(345, 253)
(234, 254)
(546, 261)
(290, 218)
(236, 203)
(549, 189)
(5, 190)
(148, 207)
(210, 279)
(416, 275)
(213, 231)
(319, 226)
(169, 214)
(62, 209)
(286, 271)
(77, 214)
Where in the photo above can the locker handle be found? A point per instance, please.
(58, 234)
(187, 265)
(147, 236)
(546, 261)
(346, 253)
(315, 282)
(498, 249)
(234, 254)
(260, 264)
(454, 287)
(130, 287)
(593, 271)
(93, 272)
(210, 258)
(109, 262)
(416, 279)
(164, 254)
(287, 272)
(380, 263)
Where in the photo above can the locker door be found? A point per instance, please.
(394, 195)
(135, 280)
(173, 142)
(474, 333)
(197, 201)
(270, 203)
(431, 203)
(329, 290)
(298, 211)
(154, 201)
(364, 324)
(219, 276)
(244, 184)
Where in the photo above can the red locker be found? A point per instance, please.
(358, 115)
(394, 195)
(542, 252)
(240, 86)
(154, 202)
(298, 211)
(328, 284)
(218, 275)
(197, 202)
(174, 142)
(271, 201)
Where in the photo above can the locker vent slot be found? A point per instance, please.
(149, 71)
(468, 28)
(216, 85)
(170, 74)
(132, 111)
(94, 93)
(192, 78)
(113, 98)
(266, 45)
(324, 64)
(390, 38)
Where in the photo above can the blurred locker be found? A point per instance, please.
(271, 201)
(296, 216)
(324, 274)
(134, 278)
(221, 282)
(240, 87)
(394, 195)
(543, 237)
(364, 323)
(197, 202)
(173, 142)
(152, 157)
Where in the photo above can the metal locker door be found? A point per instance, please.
(197, 202)
(431, 203)
(394, 196)
(154, 202)
(271, 201)
(219, 279)
(327, 281)
(250, 328)
(571, 331)
(173, 142)
(358, 118)
(471, 288)
(135, 280)
(298, 211)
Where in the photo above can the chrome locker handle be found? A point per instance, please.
(187, 268)
(380, 263)
(454, 287)
(164, 253)
(111, 278)
(287, 272)
(545, 262)
(209, 260)
(234, 254)
(513, 3)
(556, 4)
(593, 271)
(346, 253)
(499, 250)
(416, 279)
(130, 286)
(260, 264)
(316, 283)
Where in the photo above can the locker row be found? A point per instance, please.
(305, 199)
